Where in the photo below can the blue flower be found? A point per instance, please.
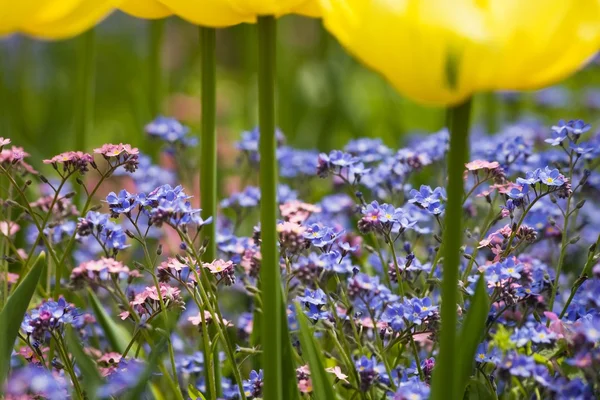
(412, 390)
(551, 177)
(50, 317)
(578, 127)
(510, 269)
(314, 297)
(531, 178)
(35, 381)
(559, 134)
(253, 386)
(171, 131)
(483, 354)
(394, 316)
(581, 148)
(123, 203)
(518, 194)
(424, 197)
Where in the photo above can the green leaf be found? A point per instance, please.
(151, 366)
(477, 390)
(91, 377)
(194, 393)
(471, 335)
(117, 335)
(13, 312)
(322, 386)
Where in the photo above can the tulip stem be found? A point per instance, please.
(444, 382)
(208, 163)
(270, 271)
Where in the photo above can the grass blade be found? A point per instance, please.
(117, 335)
(471, 333)
(322, 386)
(91, 377)
(13, 312)
(290, 383)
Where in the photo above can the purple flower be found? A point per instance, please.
(35, 381)
(50, 317)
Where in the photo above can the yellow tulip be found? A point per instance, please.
(65, 18)
(440, 52)
(147, 9)
(221, 13)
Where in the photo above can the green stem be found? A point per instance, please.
(444, 384)
(270, 271)
(564, 241)
(208, 158)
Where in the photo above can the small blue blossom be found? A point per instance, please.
(551, 177)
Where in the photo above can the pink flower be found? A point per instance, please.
(9, 228)
(337, 371)
(114, 150)
(196, 320)
(305, 386)
(482, 164)
(72, 160)
(219, 266)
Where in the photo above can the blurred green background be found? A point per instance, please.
(325, 96)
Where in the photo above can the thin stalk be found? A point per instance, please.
(444, 384)
(208, 158)
(564, 241)
(270, 274)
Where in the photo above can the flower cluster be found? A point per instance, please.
(361, 261)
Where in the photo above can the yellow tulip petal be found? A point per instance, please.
(147, 9)
(213, 13)
(13, 13)
(81, 18)
(413, 43)
(440, 52)
(276, 7)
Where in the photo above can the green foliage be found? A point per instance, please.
(91, 378)
(472, 333)
(117, 335)
(14, 311)
(322, 386)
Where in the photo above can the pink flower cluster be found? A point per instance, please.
(14, 157)
(72, 161)
(121, 154)
(297, 211)
(97, 272)
(147, 302)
